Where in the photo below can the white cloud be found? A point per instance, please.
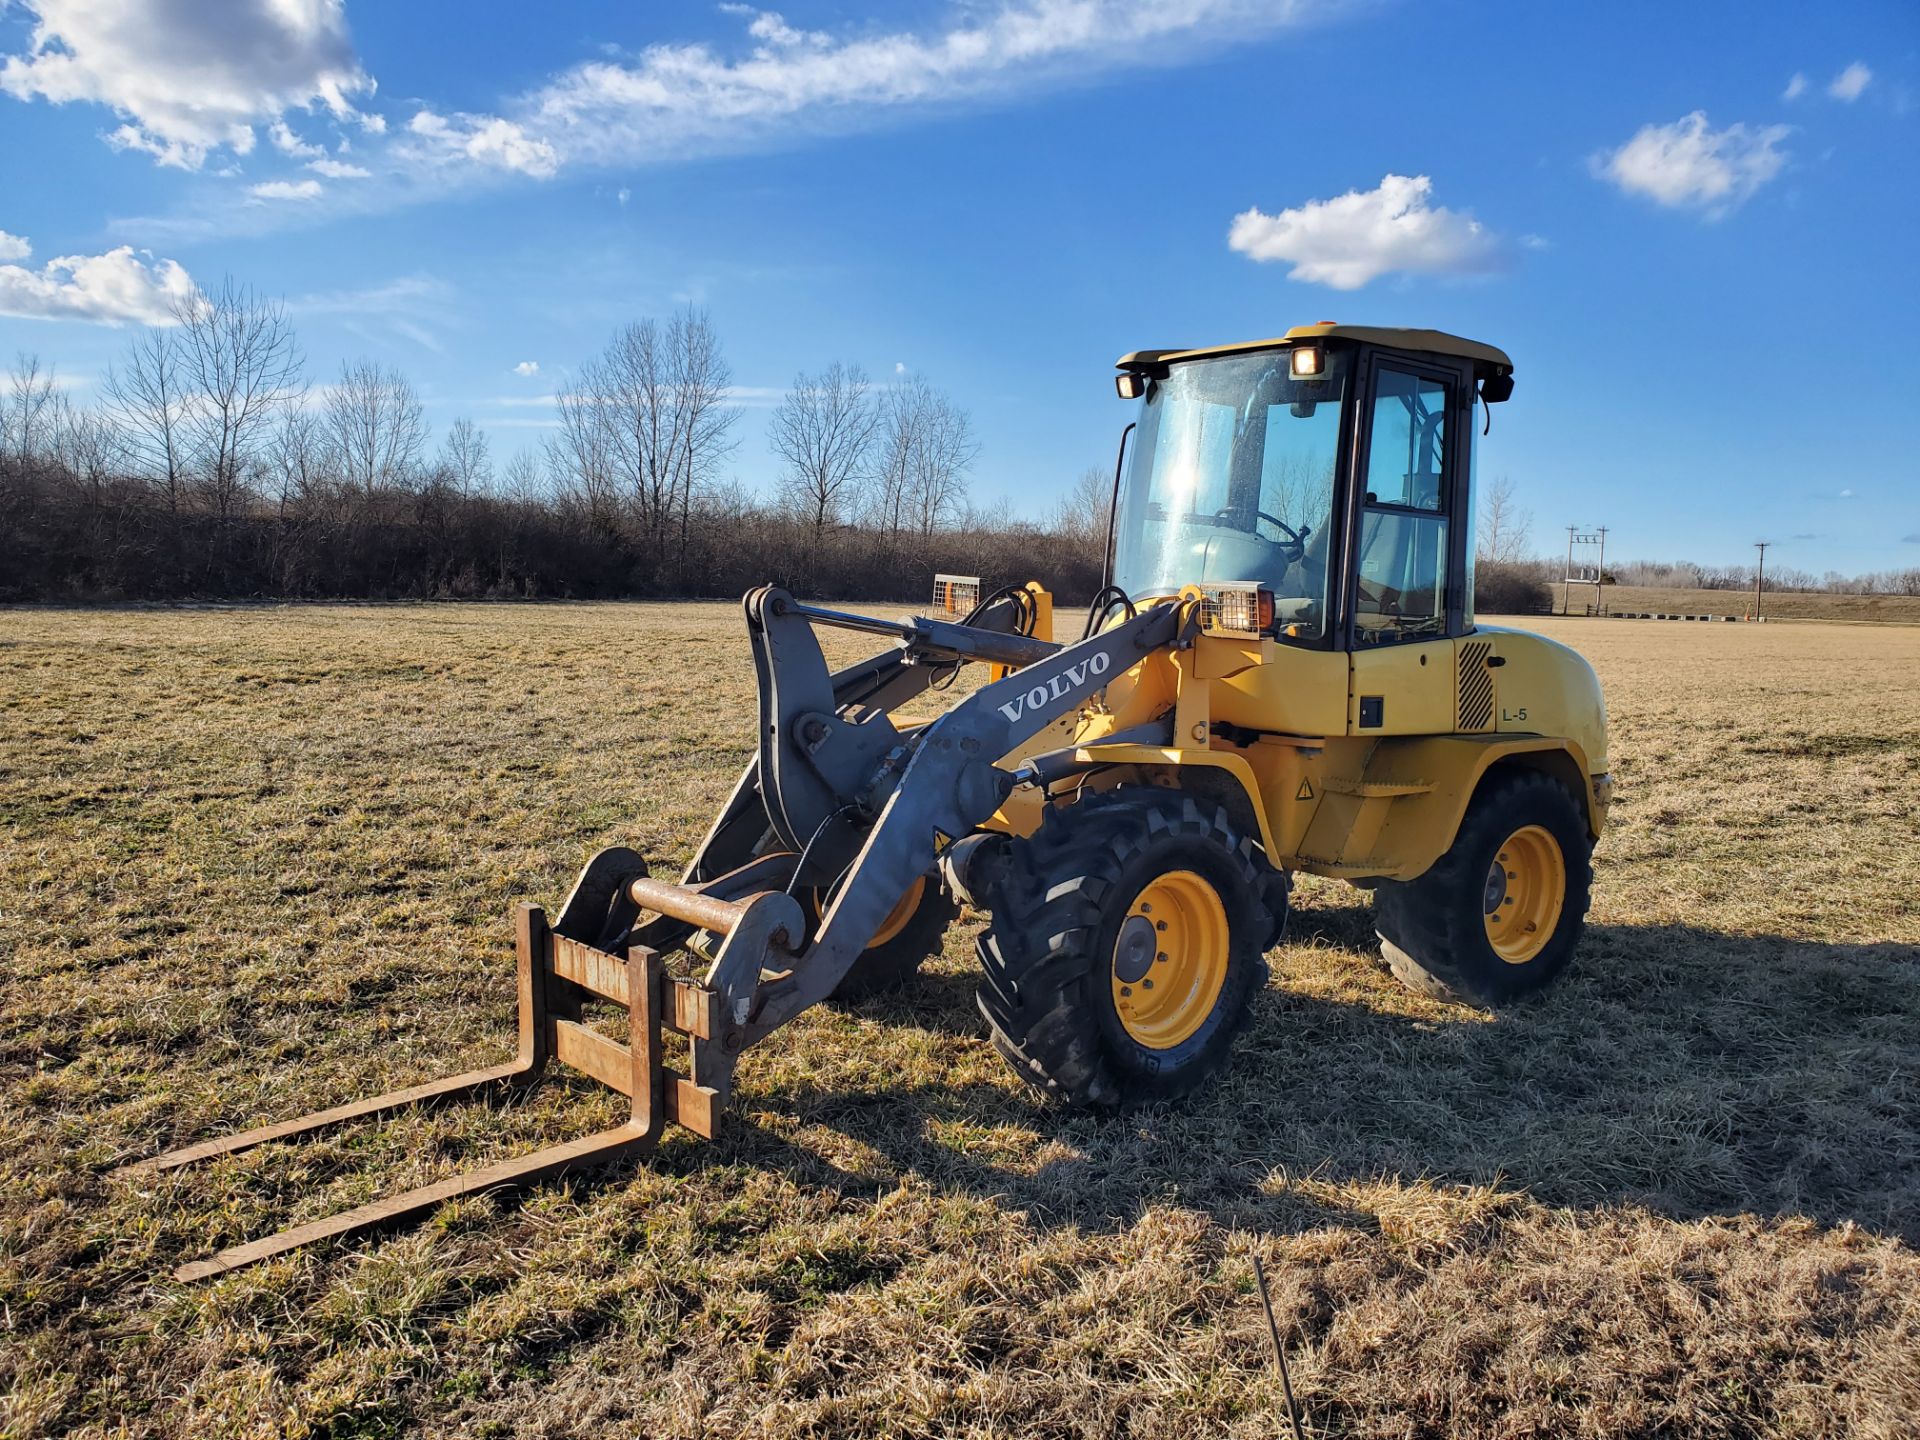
(487, 140)
(1846, 494)
(1357, 237)
(674, 100)
(1796, 87)
(1689, 164)
(288, 143)
(756, 396)
(338, 169)
(1851, 83)
(186, 75)
(899, 367)
(111, 289)
(287, 190)
(414, 307)
(14, 247)
(413, 294)
(193, 76)
(419, 334)
(527, 367)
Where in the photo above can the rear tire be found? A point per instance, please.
(1499, 915)
(1075, 945)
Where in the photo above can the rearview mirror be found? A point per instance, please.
(1130, 384)
(1497, 388)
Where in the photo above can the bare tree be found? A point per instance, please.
(704, 419)
(823, 430)
(1082, 513)
(296, 455)
(520, 479)
(89, 451)
(464, 458)
(659, 395)
(241, 364)
(901, 410)
(148, 398)
(945, 451)
(1505, 529)
(376, 427)
(581, 457)
(925, 446)
(27, 414)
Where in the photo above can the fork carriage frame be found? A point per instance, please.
(557, 976)
(836, 792)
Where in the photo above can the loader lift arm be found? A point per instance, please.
(931, 788)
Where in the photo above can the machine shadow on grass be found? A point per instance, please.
(1692, 1072)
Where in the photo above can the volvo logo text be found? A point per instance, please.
(1067, 682)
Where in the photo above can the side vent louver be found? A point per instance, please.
(1476, 686)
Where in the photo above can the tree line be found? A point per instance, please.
(211, 465)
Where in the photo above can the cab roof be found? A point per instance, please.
(1438, 341)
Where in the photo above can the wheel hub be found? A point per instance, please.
(1170, 959)
(1526, 887)
(1133, 952)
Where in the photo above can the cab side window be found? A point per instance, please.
(1402, 571)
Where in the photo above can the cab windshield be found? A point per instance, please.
(1232, 479)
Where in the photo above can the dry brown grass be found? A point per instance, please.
(255, 862)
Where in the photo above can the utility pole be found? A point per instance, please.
(1760, 574)
(1600, 571)
(1566, 583)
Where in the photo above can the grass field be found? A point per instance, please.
(255, 862)
(1775, 605)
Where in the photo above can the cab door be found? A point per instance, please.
(1405, 602)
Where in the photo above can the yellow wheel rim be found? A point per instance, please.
(1170, 959)
(1526, 886)
(897, 917)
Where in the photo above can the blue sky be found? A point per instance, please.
(1693, 227)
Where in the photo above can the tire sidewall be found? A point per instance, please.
(1513, 808)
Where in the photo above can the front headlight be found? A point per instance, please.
(1236, 609)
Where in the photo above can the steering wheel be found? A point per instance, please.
(1295, 545)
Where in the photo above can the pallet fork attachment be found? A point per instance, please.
(556, 975)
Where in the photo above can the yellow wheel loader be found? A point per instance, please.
(1281, 673)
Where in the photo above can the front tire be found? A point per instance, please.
(1124, 947)
(1499, 915)
(910, 935)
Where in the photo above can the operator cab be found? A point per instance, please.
(1330, 468)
